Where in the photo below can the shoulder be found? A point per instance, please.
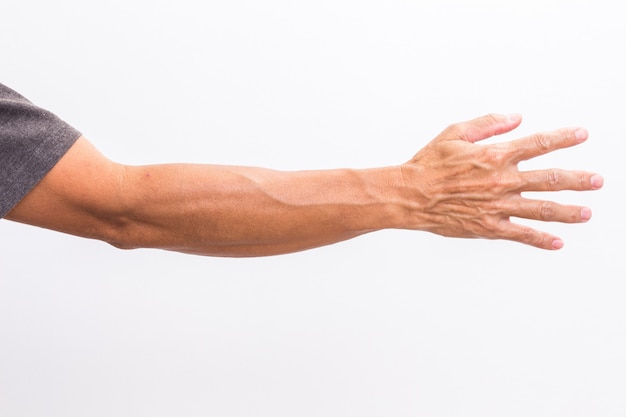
(32, 140)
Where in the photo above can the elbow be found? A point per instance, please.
(120, 229)
(124, 227)
(116, 230)
(122, 243)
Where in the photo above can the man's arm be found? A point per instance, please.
(207, 209)
(452, 187)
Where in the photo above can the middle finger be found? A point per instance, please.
(556, 180)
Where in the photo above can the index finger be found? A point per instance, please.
(546, 142)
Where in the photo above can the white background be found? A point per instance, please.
(394, 323)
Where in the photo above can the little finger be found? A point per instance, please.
(532, 237)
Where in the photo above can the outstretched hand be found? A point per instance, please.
(463, 189)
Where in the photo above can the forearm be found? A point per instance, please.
(243, 211)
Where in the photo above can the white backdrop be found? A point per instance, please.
(393, 323)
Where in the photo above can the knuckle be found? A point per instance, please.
(492, 224)
(553, 179)
(498, 185)
(584, 182)
(533, 237)
(522, 234)
(455, 127)
(453, 131)
(490, 118)
(498, 207)
(528, 235)
(489, 229)
(542, 141)
(546, 211)
(543, 241)
(503, 184)
(495, 153)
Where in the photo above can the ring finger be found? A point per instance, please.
(548, 211)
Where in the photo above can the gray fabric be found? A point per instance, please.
(32, 140)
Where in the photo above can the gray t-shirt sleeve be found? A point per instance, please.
(32, 140)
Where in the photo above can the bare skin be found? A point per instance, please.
(452, 187)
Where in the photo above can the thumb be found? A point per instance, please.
(482, 127)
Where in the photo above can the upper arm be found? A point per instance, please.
(81, 195)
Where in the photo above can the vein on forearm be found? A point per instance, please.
(240, 210)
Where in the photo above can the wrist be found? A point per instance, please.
(385, 190)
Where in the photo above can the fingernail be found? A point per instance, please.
(581, 134)
(596, 181)
(557, 244)
(585, 214)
